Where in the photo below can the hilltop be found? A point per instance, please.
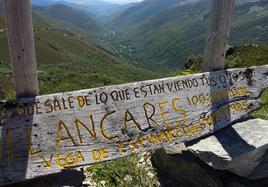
(73, 16)
(96, 8)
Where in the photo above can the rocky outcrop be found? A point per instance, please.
(236, 156)
(182, 169)
(241, 149)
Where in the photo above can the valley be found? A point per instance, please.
(155, 35)
(68, 59)
(166, 39)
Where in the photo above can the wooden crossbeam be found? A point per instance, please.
(46, 134)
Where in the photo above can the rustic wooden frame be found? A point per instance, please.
(233, 93)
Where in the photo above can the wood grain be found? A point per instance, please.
(18, 17)
(218, 34)
(47, 134)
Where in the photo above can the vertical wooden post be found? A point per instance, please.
(18, 17)
(2, 94)
(219, 31)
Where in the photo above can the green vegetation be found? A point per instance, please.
(67, 60)
(263, 112)
(248, 55)
(237, 57)
(50, 40)
(164, 41)
(92, 69)
(161, 42)
(72, 16)
(126, 172)
(137, 13)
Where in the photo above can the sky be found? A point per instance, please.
(111, 1)
(122, 1)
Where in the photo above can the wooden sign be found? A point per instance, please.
(46, 134)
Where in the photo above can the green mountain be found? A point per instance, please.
(67, 61)
(73, 16)
(97, 8)
(140, 11)
(251, 23)
(163, 42)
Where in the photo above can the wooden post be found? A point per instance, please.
(2, 94)
(18, 17)
(219, 31)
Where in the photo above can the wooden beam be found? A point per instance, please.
(218, 34)
(46, 134)
(21, 46)
(2, 94)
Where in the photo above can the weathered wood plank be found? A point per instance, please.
(18, 16)
(218, 34)
(46, 134)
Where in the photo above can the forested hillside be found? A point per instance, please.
(137, 13)
(73, 16)
(165, 40)
(96, 8)
(68, 60)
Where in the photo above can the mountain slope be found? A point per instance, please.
(51, 38)
(164, 41)
(73, 16)
(139, 12)
(94, 8)
(251, 23)
(68, 62)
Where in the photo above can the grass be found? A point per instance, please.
(263, 112)
(89, 70)
(242, 56)
(125, 172)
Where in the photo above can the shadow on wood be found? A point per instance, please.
(14, 151)
(65, 178)
(223, 114)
